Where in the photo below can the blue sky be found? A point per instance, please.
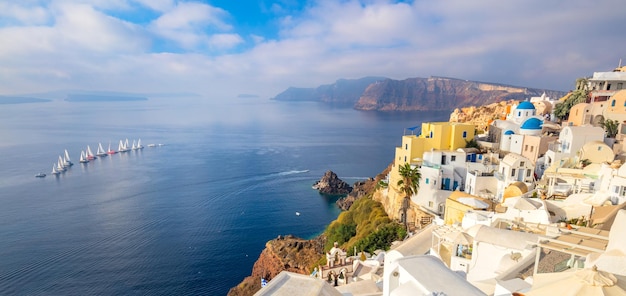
(227, 47)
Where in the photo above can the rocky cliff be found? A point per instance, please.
(481, 116)
(283, 253)
(412, 94)
(342, 92)
(440, 93)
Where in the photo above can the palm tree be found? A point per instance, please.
(610, 127)
(409, 184)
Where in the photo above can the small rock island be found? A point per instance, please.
(330, 184)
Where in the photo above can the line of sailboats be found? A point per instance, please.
(64, 162)
(88, 155)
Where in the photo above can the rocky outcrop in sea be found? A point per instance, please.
(330, 184)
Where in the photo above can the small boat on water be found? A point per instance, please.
(60, 166)
(297, 213)
(139, 144)
(100, 152)
(67, 162)
(133, 147)
(83, 157)
(123, 147)
(40, 175)
(89, 154)
(54, 169)
(151, 145)
(111, 151)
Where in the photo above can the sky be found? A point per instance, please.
(219, 49)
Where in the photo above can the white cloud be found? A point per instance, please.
(190, 23)
(225, 41)
(76, 44)
(23, 14)
(158, 5)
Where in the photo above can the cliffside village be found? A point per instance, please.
(537, 207)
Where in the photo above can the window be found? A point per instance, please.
(512, 172)
(521, 163)
(427, 180)
(453, 158)
(526, 148)
(619, 85)
(430, 204)
(599, 148)
(531, 148)
(527, 173)
(464, 134)
(431, 134)
(622, 191)
(406, 146)
(613, 103)
(519, 114)
(405, 159)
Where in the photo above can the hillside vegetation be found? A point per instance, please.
(365, 226)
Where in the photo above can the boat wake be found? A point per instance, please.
(292, 172)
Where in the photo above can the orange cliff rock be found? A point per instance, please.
(283, 253)
(482, 116)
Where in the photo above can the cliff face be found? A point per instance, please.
(438, 93)
(413, 94)
(283, 253)
(480, 116)
(342, 92)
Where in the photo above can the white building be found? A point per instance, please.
(424, 275)
(571, 140)
(514, 168)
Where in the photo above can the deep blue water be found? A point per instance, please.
(186, 218)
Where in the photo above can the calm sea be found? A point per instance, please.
(189, 217)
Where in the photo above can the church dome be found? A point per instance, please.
(525, 106)
(532, 124)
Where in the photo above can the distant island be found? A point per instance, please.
(412, 94)
(102, 98)
(20, 100)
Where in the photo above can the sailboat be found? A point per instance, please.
(89, 154)
(134, 147)
(60, 166)
(139, 144)
(83, 158)
(66, 160)
(123, 147)
(54, 169)
(100, 152)
(111, 151)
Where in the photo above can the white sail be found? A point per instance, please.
(89, 153)
(139, 144)
(134, 147)
(83, 158)
(100, 151)
(126, 144)
(120, 147)
(54, 169)
(67, 157)
(60, 165)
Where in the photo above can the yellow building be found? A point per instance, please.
(616, 109)
(458, 203)
(434, 135)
